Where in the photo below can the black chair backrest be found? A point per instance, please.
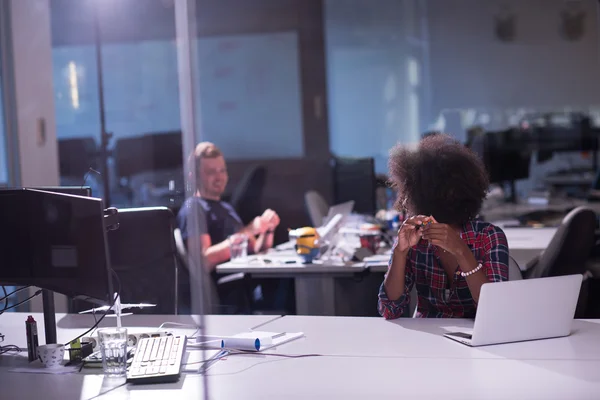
(354, 179)
(246, 198)
(144, 257)
(570, 247)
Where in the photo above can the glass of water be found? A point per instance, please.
(113, 346)
(238, 247)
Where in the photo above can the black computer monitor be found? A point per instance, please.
(150, 152)
(507, 157)
(56, 242)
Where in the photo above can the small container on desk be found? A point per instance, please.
(78, 351)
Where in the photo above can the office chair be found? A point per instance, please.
(215, 288)
(247, 196)
(316, 207)
(143, 256)
(569, 250)
(570, 246)
(354, 179)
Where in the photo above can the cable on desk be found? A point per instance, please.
(14, 291)
(267, 322)
(181, 325)
(21, 302)
(103, 315)
(92, 328)
(8, 348)
(235, 351)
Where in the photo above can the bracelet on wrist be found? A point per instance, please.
(471, 272)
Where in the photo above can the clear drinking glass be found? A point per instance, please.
(113, 346)
(238, 247)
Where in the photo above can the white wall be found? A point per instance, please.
(471, 68)
(32, 58)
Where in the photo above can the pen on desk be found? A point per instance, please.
(267, 322)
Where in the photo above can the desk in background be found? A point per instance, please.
(327, 288)
(507, 211)
(525, 244)
(366, 358)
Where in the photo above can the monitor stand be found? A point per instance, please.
(49, 316)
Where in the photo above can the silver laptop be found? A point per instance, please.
(343, 208)
(523, 310)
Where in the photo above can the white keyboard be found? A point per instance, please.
(157, 360)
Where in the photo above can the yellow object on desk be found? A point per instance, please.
(307, 242)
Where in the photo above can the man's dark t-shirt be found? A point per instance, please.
(216, 218)
(219, 220)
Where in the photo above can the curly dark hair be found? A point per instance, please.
(441, 177)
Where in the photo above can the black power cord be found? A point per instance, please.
(21, 302)
(105, 313)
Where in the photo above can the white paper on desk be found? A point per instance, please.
(259, 341)
(36, 367)
(195, 360)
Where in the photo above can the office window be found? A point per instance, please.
(75, 77)
(249, 91)
(141, 98)
(141, 87)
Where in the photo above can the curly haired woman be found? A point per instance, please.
(441, 248)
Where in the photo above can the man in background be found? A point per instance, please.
(217, 220)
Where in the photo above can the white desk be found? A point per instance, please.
(525, 244)
(315, 285)
(494, 211)
(363, 358)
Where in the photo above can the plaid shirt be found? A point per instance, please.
(435, 297)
